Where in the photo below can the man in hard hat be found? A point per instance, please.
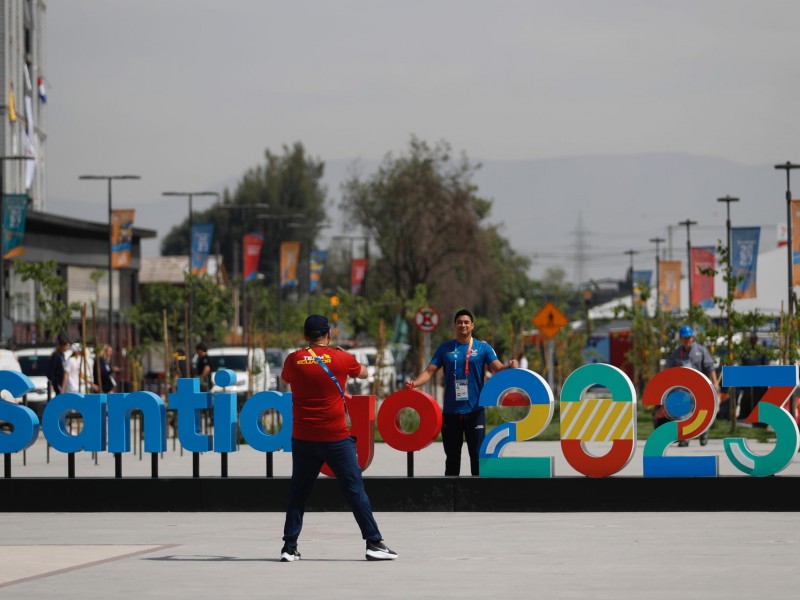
(694, 355)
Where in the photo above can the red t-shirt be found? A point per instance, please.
(317, 405)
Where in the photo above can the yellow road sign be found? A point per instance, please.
(549, 320)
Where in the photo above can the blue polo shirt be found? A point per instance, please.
(451, 357)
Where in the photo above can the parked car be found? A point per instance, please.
(359, 386)
(251, 368)
(35, 363)
(276, 358)
(382, 362)
(9, 362)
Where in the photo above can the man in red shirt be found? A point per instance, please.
(320, 434)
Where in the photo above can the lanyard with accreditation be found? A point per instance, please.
(462, 385)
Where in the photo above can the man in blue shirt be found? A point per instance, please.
(464, 361)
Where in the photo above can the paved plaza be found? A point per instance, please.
(442, 555)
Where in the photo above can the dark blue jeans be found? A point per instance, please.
(457, 428)
(307, 461)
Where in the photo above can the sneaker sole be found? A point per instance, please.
(381, 556)
(289, 558)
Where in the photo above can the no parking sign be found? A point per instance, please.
(427, 319)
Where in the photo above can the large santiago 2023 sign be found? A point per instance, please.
(106, 421)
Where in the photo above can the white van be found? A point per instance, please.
(251, 368)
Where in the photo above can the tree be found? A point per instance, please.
(53, 313)
(424, 214)
(290, 184)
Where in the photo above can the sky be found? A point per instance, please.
(189, 94)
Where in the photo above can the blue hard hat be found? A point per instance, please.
(686, 331)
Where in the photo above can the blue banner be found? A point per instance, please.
(744, 260)
(643, 278)
(15, 210)
(317, 261)
(202, 234)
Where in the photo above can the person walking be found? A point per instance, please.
(464, 360)
(694, 355)
(202, 368)
(107, 380)
(57, 375)
(320, 434)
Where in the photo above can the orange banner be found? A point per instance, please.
(669, 285)
(290, 256)
(121, 237)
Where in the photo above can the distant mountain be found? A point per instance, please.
(618, 202)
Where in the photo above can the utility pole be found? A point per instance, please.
(689, 273)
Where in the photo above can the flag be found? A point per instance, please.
(42, 92)
(795, 207)
(30, 165)
(669, 285)
(702, 285)
(29, 117)
(316, 266)
(12, 111)
(358, 273)
(121, 237)
(28, 86)
(641, 279)
(744, 260)
(290, 255)
(15, 209)
(202, 234)
(252, 254)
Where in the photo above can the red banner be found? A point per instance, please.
(358, 273)
(252, 254)
(795, 242)
(703, 284)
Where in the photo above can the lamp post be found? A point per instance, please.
(727, 200)
(352, 238)
(789, 167)
(242, 208)
(631, 253)
(278, 289)
(657, 241)
(5, 324)
(109, 179)
(190, 195)
(689, 273)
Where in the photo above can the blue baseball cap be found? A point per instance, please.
(316, 326)
(686, 331)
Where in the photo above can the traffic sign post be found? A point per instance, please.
(549, 321)
(427, 321)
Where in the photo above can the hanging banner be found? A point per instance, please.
(121, 237)
(795, 242)
(744, 260)
(202, 234)
(358, 272)
(703, 260)
(15, 209)
(252, 254)
(316, 266)
(290, 256)
(670, 285)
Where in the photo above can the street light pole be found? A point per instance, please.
(5, 332)
(727, 200)
(657, 241)
(689, 273)
(109, 179)
(190, 195)
(631, 253)
(788, 167)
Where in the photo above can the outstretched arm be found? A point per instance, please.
(422, 378)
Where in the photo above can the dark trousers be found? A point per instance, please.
(457, 428)
(307, 461)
